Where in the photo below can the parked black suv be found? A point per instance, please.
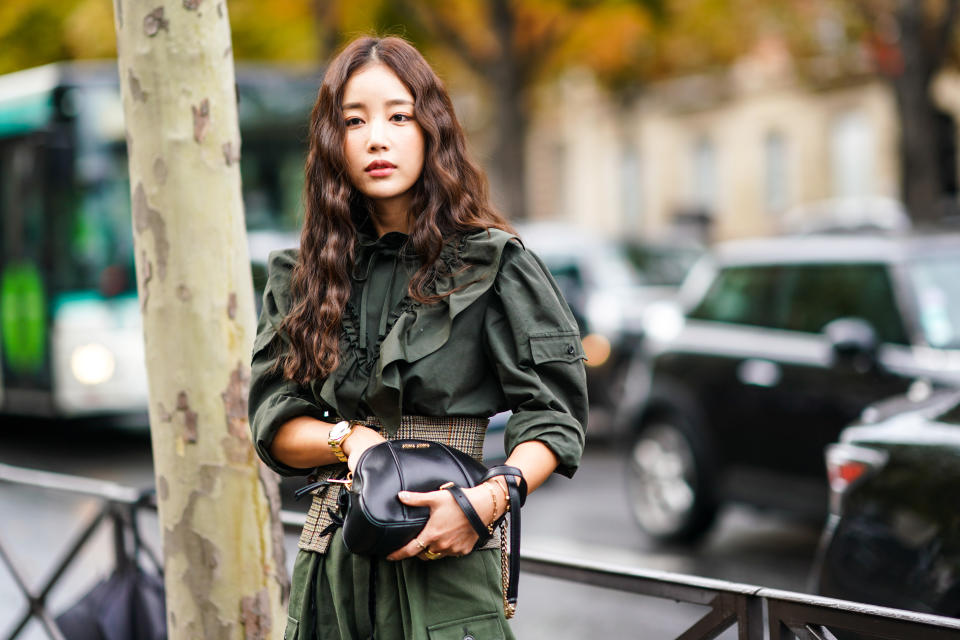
(784, 341)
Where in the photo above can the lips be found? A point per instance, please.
(380, 164)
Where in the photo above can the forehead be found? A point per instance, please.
(374, 84)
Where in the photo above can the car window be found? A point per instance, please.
(570, 280)
(821, 293)
(936, 288)
(662, 265)
(951, 415)
(741, 295)
(566, 272)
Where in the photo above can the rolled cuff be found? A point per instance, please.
(270, 418)
(560, 432)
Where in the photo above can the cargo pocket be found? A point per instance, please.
(290, 633)
(556, 347)
(483, 627)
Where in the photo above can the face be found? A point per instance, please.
(384, 145)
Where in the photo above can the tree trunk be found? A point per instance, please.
(508, 167)
(325, 17)
(919, 151)
(919, 144)
(218, 508)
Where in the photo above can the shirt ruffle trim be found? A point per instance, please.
(467, 268)
(276, 298)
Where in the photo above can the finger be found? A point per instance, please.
(415, 499)
(408, 550)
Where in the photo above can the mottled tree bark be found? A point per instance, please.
(223, 553)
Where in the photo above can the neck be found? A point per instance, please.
(392, 215)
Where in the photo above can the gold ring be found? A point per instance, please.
(422, 546)
(432, 555)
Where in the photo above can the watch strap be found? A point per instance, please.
(336, 444)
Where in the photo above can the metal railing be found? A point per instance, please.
(758, 613)
(754, 610)
(118, 506)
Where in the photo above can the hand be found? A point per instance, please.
(361, 439)
(447, 532)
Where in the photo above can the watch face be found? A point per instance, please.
(339, 430)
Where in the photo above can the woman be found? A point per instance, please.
(410, 310)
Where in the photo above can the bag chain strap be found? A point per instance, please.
(508, 609)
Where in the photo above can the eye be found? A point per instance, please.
(353, 121)
(401, 117)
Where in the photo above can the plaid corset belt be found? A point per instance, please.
(465, 434)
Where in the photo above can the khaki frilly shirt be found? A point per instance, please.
(504, 339)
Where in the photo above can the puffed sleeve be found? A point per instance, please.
(274, 400)
(533, 341)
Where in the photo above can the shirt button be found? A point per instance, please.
(570, 349)
(468, 637)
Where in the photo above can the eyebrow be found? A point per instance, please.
(390, 103)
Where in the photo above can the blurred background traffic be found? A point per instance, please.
(750, 208)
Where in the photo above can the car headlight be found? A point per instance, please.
(92, 364)
(663, 321)
(604, 313)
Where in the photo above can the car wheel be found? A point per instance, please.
(669, 481)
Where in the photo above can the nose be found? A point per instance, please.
(377, 140)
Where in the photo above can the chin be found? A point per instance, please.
(385, 192)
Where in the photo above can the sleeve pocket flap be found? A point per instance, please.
(556, 348)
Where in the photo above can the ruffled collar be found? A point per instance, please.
(465, 270)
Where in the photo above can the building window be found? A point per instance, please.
(776, 193)
(851, 155)
(704, 178)
(631, 194)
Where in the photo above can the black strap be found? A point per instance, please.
(507, 471)
(307, 488)
(518, 495)
(470, 512)
(336, 521)
(517, 490)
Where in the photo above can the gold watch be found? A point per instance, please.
(338, 434)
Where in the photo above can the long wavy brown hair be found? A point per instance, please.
(450, 197)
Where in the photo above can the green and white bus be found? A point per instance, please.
(71, 341)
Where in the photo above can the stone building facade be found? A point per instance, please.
(743, 150)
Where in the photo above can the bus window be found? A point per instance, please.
(96, 230)
(23, 234)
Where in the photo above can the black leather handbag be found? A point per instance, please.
(375, 522)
